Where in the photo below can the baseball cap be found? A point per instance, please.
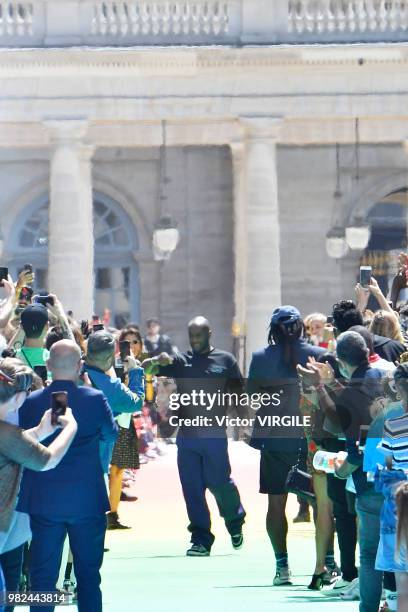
(100, 342)
(285, 314)
(33, 319)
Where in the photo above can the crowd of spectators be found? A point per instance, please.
(84, 405)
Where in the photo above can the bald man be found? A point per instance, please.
(203, 376)
(72, 498)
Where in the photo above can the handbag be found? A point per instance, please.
(300, 482)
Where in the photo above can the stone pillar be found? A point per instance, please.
(240, 250)
(71, 242)
(263, 273)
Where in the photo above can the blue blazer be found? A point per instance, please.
(76, 487)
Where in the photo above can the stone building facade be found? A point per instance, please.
(270, 145)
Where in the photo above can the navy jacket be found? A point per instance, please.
(268, 373)
(76, 487)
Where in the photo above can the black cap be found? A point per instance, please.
(33, 319)
(100, 342)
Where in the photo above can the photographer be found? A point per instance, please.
(124, 401)
(71, 499)
(35, 324)
(21, 449)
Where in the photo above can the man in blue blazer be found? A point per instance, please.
(72, 498)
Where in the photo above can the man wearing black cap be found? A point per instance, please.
(273, 370)
(34, 321)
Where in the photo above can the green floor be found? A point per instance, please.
(147, 566)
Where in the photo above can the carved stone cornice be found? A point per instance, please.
(189, 61)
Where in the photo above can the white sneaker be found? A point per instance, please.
(283, 576)
(353, 591)
(340, 585)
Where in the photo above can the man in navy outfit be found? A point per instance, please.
(70, 499)
(273, 370)
(202, 458)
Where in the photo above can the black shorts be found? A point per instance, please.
(274, 470)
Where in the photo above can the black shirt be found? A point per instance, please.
(204, 378)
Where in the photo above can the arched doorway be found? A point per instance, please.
(388, 220)
(115, 240)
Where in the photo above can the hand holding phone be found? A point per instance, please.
(44, 299)
(67, 419)
(59, 404)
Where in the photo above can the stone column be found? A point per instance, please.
(71, 242)
(263, 271)
(240, 250)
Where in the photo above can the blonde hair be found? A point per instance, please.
(386, 324)
(315, 316)
(401, 500)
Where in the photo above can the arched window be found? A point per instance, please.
(388, 237)
(115, 240)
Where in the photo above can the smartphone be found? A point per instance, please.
(3, 275)
(41, 371)
(363, 436)
(59, 403)
(124, 349)
(120, 371)
(329, 320)
(365, 275)
(97, 327)
(44, 299)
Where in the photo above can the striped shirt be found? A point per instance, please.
(395, 441)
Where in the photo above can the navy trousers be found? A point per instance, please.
(86, 538)
(203, 463)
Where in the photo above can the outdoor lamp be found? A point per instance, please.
(358, 234)
(165, 238)
(336, 245)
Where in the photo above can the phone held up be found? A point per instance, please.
(124, 349)
(44, 299)
(365, 276)
(59, 403)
